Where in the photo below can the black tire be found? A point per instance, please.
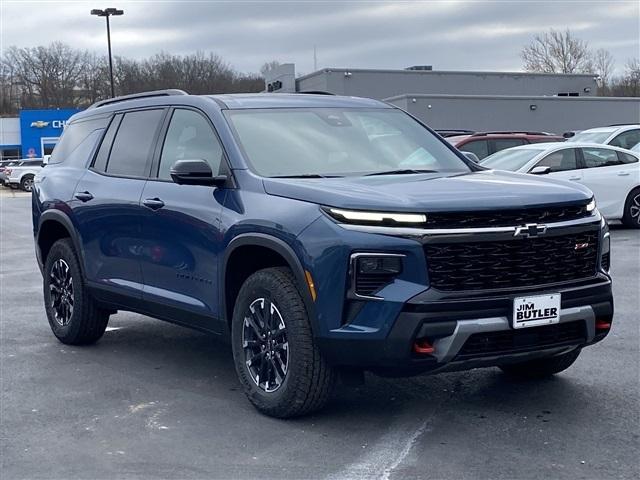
(26, 183)
(544, 367)
(86, 321)
(308, 379)
(631, 216)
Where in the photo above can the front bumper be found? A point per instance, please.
(469, 333)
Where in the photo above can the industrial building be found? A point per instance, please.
(480, 101)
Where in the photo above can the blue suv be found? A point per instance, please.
(324, 236)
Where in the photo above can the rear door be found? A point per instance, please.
(181, 226)
(610, 175)
(107, 202)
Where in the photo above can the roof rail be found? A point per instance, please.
(521, 132)
(315, 92)
(622, 124)
(452, 132)
(134, 96)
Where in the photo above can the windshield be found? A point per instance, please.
(338, 142)
(512, 159)
(590, 137)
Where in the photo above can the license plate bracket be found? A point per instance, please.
(536, 310)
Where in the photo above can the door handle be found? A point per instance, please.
(574, 178)
(153, 203)
(623, 174)
(84, 196)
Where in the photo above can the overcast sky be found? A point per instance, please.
(450, 35)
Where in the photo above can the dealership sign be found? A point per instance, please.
(40, 128)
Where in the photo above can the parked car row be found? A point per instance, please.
(611, 173)
(20, 173)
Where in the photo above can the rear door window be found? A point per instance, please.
(479, 147)
(599, 157)
(504, 143)
(627, 158)
(133, 145)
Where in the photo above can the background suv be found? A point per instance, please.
(483, 144)
(323, 235)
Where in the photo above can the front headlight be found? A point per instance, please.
(591, 206)
(361, 217)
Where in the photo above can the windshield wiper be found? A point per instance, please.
(306, 175)
(400, 171)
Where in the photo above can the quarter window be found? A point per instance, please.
(560, 161)
(75, 134)
(627, 158)
(189, 137)
(131, 152)
(600, 157)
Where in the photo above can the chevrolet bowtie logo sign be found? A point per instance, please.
(40, 124)
(530, 230)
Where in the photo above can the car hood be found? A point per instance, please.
(483, 190)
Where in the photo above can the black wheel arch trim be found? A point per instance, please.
(283, 249)
(62, 218)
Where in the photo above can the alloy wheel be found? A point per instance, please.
(634, 209)
(265, 345)
(28, 184)
(61, 292)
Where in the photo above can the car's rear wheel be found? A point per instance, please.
(543, 367)
(74, 316)
(631, 216)
(26, 183)
(278, 363)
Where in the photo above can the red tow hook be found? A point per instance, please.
(423, 347)
(603, 325)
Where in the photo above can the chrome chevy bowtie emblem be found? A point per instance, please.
(530, 230)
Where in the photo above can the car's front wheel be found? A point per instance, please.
(278, 363)
(74, 316)
(543, 367)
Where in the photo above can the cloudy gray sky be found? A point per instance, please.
(455, 35)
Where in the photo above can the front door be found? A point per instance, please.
(181, 227)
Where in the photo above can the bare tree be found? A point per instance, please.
(557, 52)
(268, 66)
(603, 66)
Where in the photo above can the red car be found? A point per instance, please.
(483, 144)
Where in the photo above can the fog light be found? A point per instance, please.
(379, 265)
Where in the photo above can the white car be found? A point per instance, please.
(623, 136)
(21, 173)
(612, 173)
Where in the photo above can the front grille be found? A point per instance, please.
(505, 218)
(514, 341)
(368, 284)
(526, 262)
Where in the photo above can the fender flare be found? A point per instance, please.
(62, 218)
(283, 249)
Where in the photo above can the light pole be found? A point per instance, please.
(106, 13)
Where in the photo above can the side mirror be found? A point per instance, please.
(540, 170)
(471, 156)
(195, 172)
(45, 160)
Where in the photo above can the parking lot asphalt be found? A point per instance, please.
(153, 400)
